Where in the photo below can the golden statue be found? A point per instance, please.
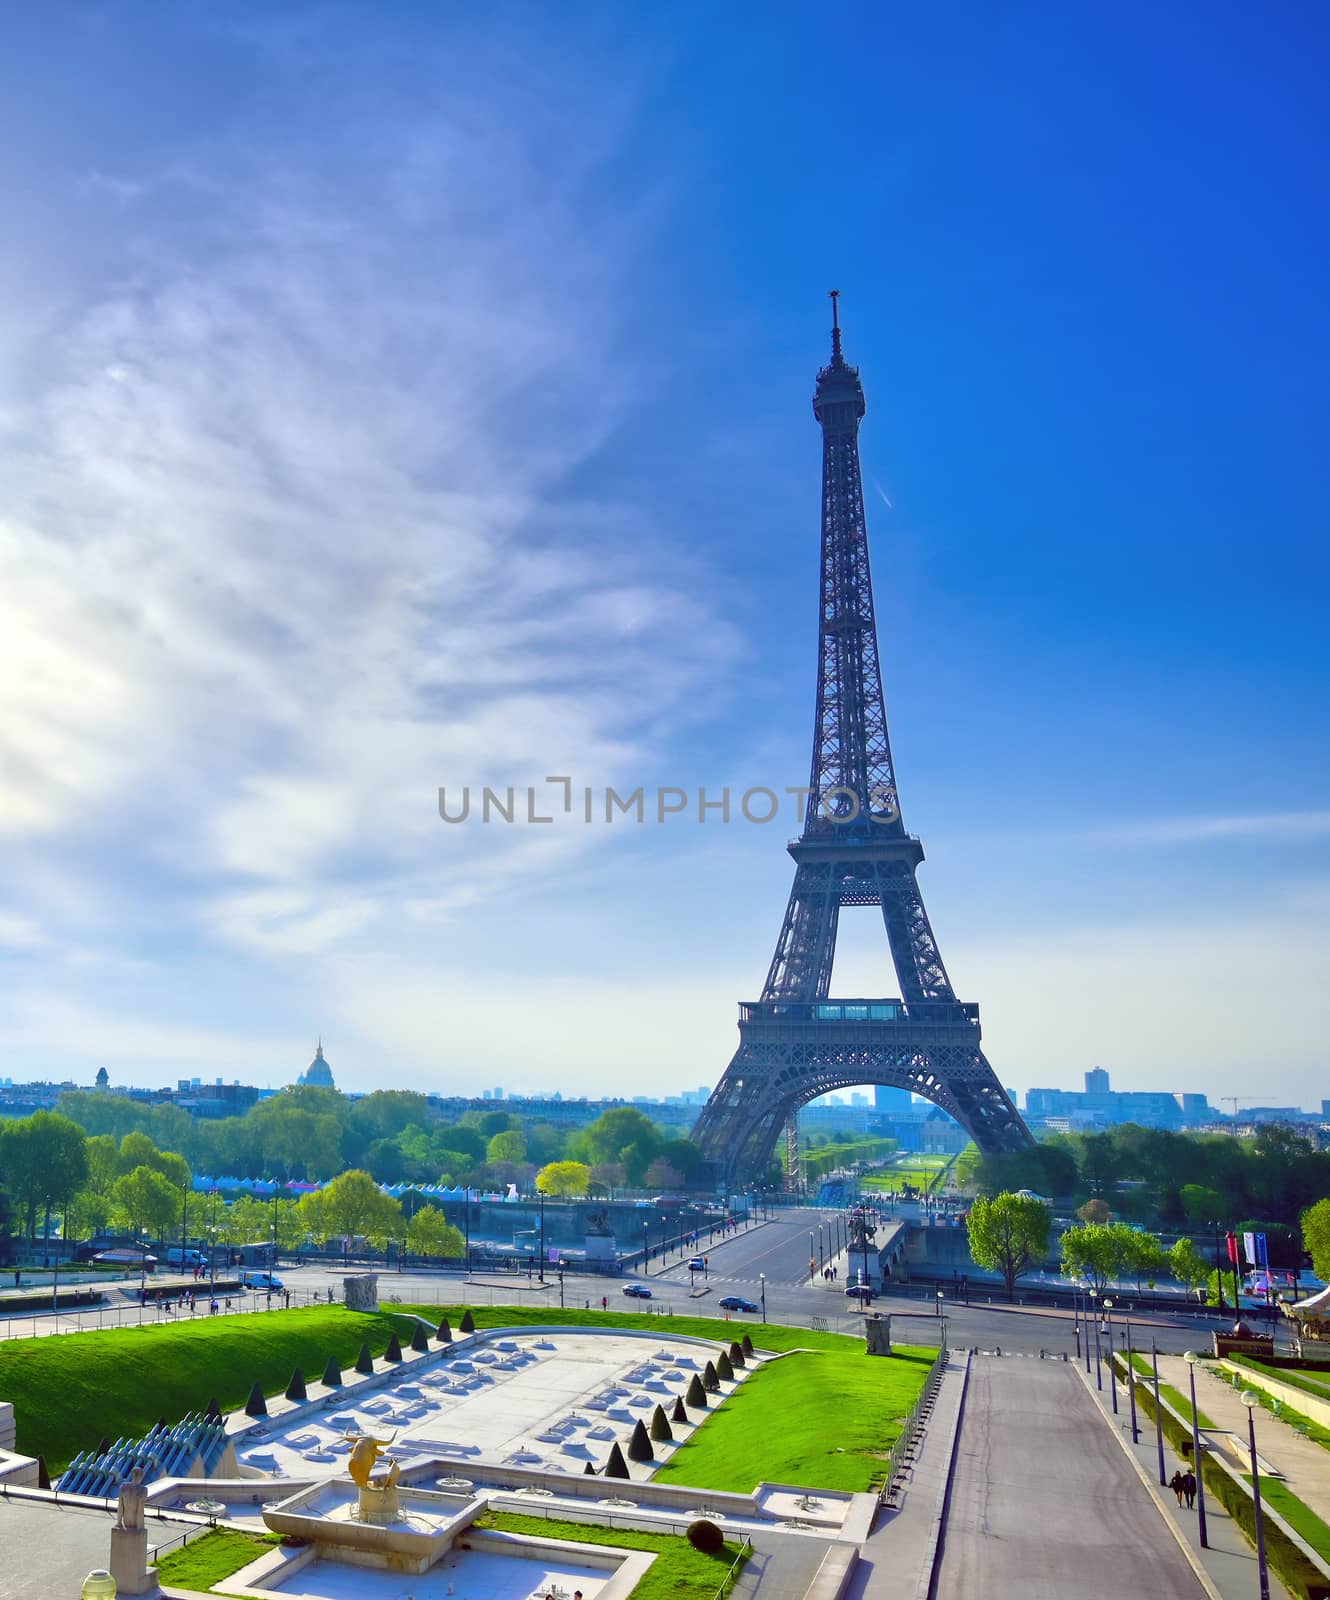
(365, 1452)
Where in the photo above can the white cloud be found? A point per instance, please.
(286, 542)
(1293, 827)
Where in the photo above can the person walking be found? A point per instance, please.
(1189, 1488)
(1178, 1484)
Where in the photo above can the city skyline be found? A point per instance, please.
(462, 438)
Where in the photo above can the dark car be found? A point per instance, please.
(859, 1291)
(637, 1291)
(736, 1302)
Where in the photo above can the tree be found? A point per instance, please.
(1187, 1264)
(44, 1162)
(510, 1145)
(623, 1134)
(1008, 1234)
(564, 1178)
(354, 1205)
(1316, 1236)
(1097, 1251)
(661, 1175)
(1143, 1256)
(1096, 1210)
(1201, 1205)
(149, 1201)
(429, 1233)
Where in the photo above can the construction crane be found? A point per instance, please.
(1235, 1100)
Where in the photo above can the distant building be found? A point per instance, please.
(1096, 1081)
(318, 1074)
(1105, 1108)
(892, 1101)
(102, 1080)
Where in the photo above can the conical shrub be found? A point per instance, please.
(697, 1395)
(365, 1361)
(679, 1414)
(332, 1374)
(256, 1405)
(589, 1471)
(661, 1431)
(295, 1390)
(445, 1333)
(616, 1466)
(214, 1411)
(394, 1350)
(710, 1378)
(737, 1356)
(419, 1338)
(723, 1368)
(639, 1446)
(44, 1476)
(748, 1344)
(468, 1322)
(104, 1444)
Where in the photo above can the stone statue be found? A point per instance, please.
(133, 1497)
(365, 1453)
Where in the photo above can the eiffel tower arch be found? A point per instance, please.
(796, 1042)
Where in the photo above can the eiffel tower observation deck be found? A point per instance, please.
(797, 1042)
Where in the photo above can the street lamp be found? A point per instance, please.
(99, 1585)
(542, 1236)
(1112, 1370)
(1098, 1360)
(1251, 1400)
(762, 1279)
(1191, 1358)
(810, 1255)
(1159, 1419)
(1131, 1387)
(940, 1297)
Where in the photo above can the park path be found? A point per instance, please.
(1045, 1504)
(1303, 1464)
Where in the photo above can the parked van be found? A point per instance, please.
(262, 1281)
(185, 1258)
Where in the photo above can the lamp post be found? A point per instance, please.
(821, 1262)
(1098, 1360)
(542, 1236)
(1131, 1388)
(1112, 1370)
(810, 1255)
(1159, 1420)
(99, 1585)
(1251, 1400)
(1191, 1358)
(1076, 1321)
(1219, 1270)
(466, 1224)
(762, 1279)
(941, 1295)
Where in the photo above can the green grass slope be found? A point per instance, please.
(821, 1419)
(70, 1389)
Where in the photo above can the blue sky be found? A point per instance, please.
(398, 397)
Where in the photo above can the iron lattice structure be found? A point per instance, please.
(796, 1043)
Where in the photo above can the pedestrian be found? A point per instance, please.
(1178, 1484)
(1189, 1488)
(604, 1303)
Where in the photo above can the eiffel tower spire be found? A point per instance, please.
(795, 1043)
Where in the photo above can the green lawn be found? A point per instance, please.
(212, 1558)
(766, 1336)
(70, 1389)
(824, 1419)
(678, 1573)
(1318, 1388)
(1299, 1516)
(1180, 1402)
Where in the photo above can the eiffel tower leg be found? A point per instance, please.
(793, 1163)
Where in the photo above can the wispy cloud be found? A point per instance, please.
(287, 540)
(1276, 826)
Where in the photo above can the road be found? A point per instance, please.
(1044, 1502)
(777, 1251)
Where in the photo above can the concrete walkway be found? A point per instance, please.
(1045, 1504)
(1303, 1464)
(1229, 1562)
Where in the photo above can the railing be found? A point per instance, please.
(728, 1581)
(956, 1012)
(914, 1425)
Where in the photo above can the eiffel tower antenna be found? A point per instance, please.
(796, 1042)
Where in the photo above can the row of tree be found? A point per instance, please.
(395, 1135)
(1011, 1233)
(1171, 1180)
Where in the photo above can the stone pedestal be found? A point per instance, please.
(361, 1292)
(129, 1562)
(878, 1330)
(378, 1503)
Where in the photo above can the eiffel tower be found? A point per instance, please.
(797, 1043)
